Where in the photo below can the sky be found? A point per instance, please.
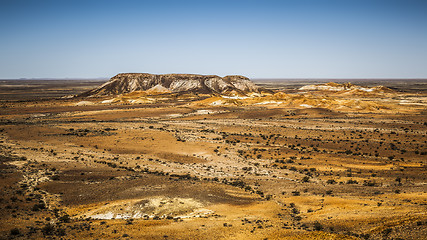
(257, 39)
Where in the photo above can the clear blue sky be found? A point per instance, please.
(258, 39)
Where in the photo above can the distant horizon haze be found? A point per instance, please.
(254, 79)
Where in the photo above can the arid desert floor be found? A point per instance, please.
(298, 163)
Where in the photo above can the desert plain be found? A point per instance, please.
(301, 160)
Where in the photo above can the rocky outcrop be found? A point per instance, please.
(336, 87)
(175, 83)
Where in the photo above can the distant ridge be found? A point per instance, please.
(174, 83)
(331, 86)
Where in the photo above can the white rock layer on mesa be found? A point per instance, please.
(174, 83)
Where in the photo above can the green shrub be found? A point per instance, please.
(15, 231)
(317, 226)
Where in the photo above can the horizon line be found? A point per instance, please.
(257, 78)
(254, 78)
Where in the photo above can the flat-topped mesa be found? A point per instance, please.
(175, 83)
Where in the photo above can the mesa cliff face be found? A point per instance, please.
(175, 83)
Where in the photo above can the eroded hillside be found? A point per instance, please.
(297, 164)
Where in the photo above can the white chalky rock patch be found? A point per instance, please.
(149, 208)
